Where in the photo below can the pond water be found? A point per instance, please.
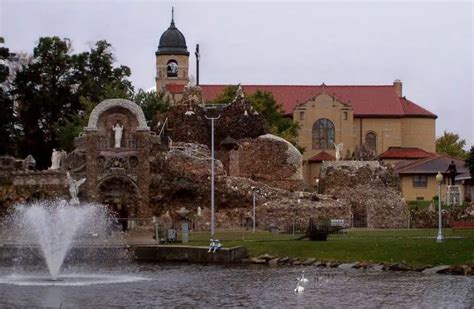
(205, 286)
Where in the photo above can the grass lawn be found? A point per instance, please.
(416, 247)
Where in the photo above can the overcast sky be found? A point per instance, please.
(427, 44)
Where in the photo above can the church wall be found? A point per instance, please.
(324, 106)
(420, 133)
(387, 130)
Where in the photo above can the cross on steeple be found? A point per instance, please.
(172, 14)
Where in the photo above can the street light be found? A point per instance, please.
(212, 175)
(254, 190)
(439, 238)
(317, 185)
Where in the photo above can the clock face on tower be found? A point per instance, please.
(172, 68)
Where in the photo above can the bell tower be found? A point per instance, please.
(172, 62)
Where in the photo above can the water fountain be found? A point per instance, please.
(62, 231)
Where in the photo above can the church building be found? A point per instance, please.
(375, 117)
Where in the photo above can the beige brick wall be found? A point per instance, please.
(410, 193)
(324, 106)
(419, 132)
(387, 131)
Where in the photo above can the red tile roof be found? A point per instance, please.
(174, 88)
(405, 153)
(366, 101)
(322, 156)
(412, 110)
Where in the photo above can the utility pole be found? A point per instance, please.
(198, 56)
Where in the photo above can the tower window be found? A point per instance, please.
(323, 134)
(301, 115)
(172, 68)
(344, 115)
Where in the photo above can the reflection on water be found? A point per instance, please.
(202, 286)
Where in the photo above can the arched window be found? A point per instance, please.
(323, 134)
(172, 68)
(371, 141)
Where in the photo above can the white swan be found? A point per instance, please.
(299, 288)
(303, 279)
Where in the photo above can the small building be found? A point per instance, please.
(418, 177)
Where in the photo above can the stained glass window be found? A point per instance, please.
(323, 134)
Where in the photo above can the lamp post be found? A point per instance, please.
(439, 238)
(317, 185)
(254, 190)
(212, 175)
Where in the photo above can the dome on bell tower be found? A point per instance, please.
(172, 42)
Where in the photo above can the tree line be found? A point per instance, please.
(46, 97)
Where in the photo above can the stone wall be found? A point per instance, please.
(269, 159)
(27, 186)
(372, 191)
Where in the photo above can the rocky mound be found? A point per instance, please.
(371, 189)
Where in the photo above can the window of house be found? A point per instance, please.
(301, 115)
(371, 141)
(344, 115)
(420, 181)
(323, 134)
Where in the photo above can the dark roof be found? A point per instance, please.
(431, 165)
(365, 100)
(406, 153)
(322, 156)
(172, 42)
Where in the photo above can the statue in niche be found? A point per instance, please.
(338, 148)
(74, 188)
(55, 160)
(118, 130)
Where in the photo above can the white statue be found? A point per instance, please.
(74, 188)
(55, 160)
(338, 148)
(199, 211)
(118, 129)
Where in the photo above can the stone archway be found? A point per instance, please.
(113, 103)
(120, 193)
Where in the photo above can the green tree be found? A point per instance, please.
(470, 161)
(272, 112)
(57, 90)
(227, 95)
(151, 102)
(45, 96)
(97, 78)
(450, 143)
(7, 118)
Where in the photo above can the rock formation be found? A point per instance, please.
(372, 191)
